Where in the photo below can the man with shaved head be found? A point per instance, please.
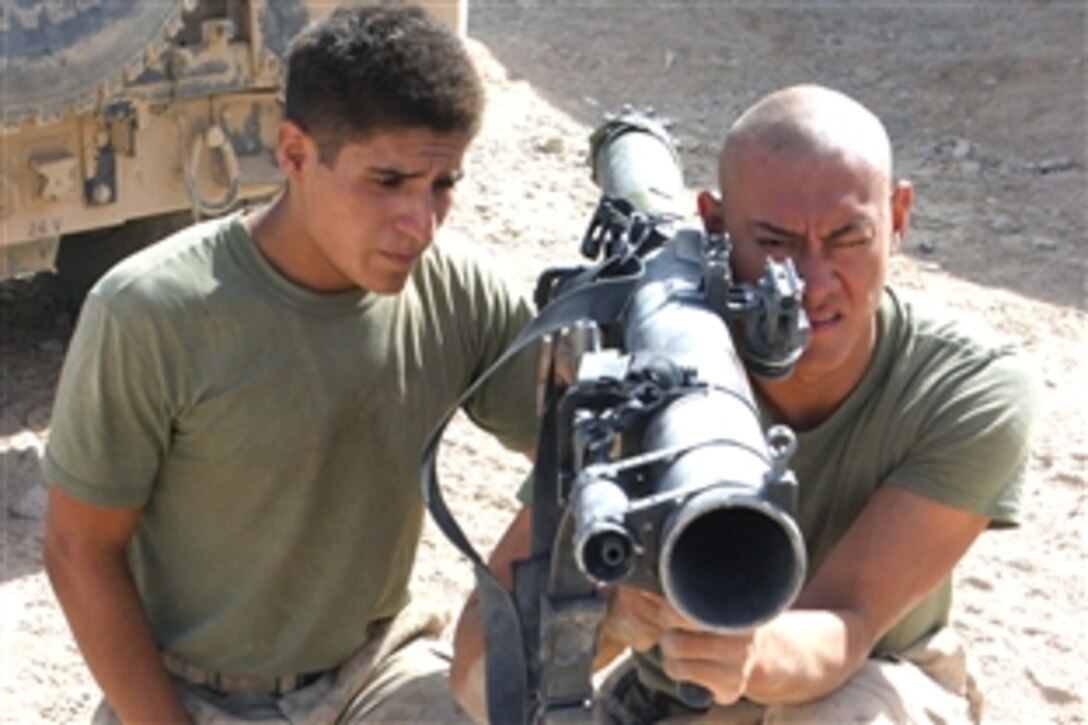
(912, 440)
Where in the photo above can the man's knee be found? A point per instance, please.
(412, 685)
(881, 692)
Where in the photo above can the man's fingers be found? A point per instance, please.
(672, 619)
(634, 618)
(721, 663)
(726, 685)
(543, 371)
(566, 351)
(730, 650)
(557, 364)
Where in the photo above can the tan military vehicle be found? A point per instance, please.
(124, 119)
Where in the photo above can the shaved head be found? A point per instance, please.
(805, 177)
(807, 122)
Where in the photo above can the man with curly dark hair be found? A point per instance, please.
(234, 501)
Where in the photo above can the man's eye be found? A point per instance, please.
(774, 244)
(389, 182)
(850, 242)
(445, 185)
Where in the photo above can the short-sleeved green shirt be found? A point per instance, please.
(943, 410)
(273, 435)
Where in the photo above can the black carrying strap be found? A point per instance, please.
(602, 301)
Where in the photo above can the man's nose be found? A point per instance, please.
(818, 272)
(418, 219)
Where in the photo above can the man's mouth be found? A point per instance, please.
(823, 320)
(401, 259)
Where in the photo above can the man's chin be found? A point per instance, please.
(385, 285)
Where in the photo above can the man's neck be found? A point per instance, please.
(806, 399)
(267, 226)
(281, 240)
(800, 405)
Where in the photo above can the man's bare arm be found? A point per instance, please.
(901, 546)
(84, 554)
(467, 670)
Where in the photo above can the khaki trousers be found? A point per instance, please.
(928, 683)
(400, 675)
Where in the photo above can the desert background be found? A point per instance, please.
(986, 106)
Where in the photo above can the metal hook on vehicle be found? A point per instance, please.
(217, 142)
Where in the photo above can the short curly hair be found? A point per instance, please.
(376, 67)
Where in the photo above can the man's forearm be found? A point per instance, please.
(108, 622)
(852, 599)
(467, 670)
(805, 654)
(467, 678)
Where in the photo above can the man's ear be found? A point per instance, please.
(902, 201)
(711, 212)
(293, 147)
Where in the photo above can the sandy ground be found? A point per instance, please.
(986, 104)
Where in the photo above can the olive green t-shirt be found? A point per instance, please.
(273, 435)
(943, 410)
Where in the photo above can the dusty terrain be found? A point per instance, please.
(986, 105)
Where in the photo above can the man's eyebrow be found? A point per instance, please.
(776, 230)
(848, 228)
(395, 173)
